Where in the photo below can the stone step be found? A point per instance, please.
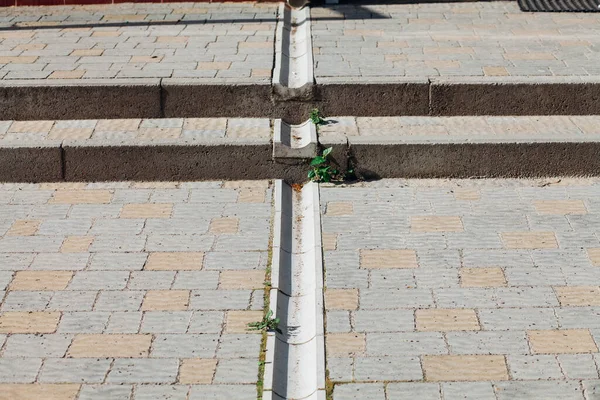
(242, 148)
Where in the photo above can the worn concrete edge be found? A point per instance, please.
(294, 141)
(371, 158)
(171, 97)
(294, 367)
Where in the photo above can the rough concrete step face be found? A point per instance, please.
(243, 148)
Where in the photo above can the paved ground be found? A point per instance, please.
(470, 128)
(137, 130)
(185, 40)
(463, 289)
(132, 290)
(452, 39)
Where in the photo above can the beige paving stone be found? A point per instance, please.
(159, 210)
(41, 280)
(155, 185)
(466, 194)
(81, 197)
(36, 391)
(106, 34)
(197, 371)
(264, 184)
(256, 45)
(118, 125)
(87, 52)
(30, 46)
(251, 195)
(465, 368)
(341, 299)
(183, 261)
(209, 65)
(329, 241)
(224, 225)
(261, 73)
(594, 256)
(24, 227)
(237, 321)
(234, 279)
(578, 295)
(495, 71)
(482, 277)
(446, 320)
(383, 258)
(561, 341)
(114, 346)
(172, 39)
(344, 344)
(529, 240)
(166, 300)
(560, 207)
(338, 208)
(71, 133)
(76, 244)
(62, 185)
(205, 124)
(75, 74)
(432, 223)
(17, 59)
(29, 322)
(30, 127)
(158, 133)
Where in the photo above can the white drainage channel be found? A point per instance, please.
(295, 364)
(293, 51)
(294, 141)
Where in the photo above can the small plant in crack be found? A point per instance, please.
(316, 117)
(321, 171)
(268, 323)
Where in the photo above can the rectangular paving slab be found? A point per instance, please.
(462, 289)
(132, 290)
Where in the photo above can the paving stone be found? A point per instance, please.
(36, 346)
(85, 346)
(425, 391)
(562, 341)
(185, 346)
(387, 368)
(356, 391)
(23, 370)
(215, 392)
(464, 368)
(143, 371)
(159, 392)
(538, 390)
(539, 367)
(56, 370)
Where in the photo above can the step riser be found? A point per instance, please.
(234, 162)
(156, 99)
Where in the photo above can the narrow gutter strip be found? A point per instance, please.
(295, 363)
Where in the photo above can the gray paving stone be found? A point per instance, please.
(216, 392)
(83, 322)
(36, 346)
(538, 367)
(359, 391)
(124, 322)
(72, 301)
(206, 322)
(141, 370)
(242, 346)
(167, 322)
(102, 392)
(468, 391)
(236, 371)
(57, 262)
(405, 344)
(196, 280)
(338, 321)
(151, 280)
(185, 346)
(161, 392)
(425, 391)
(538, 390)
(99, 280)
(578, 366)
(340, 369)
(384, 321)
(19, 370)
(499, 319)
(509, 342)
(118, 261)
(220, 299)
(26, 301)
(87, 370)
(387, 368)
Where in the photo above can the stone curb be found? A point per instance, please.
(239, 159)
(165, 98)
